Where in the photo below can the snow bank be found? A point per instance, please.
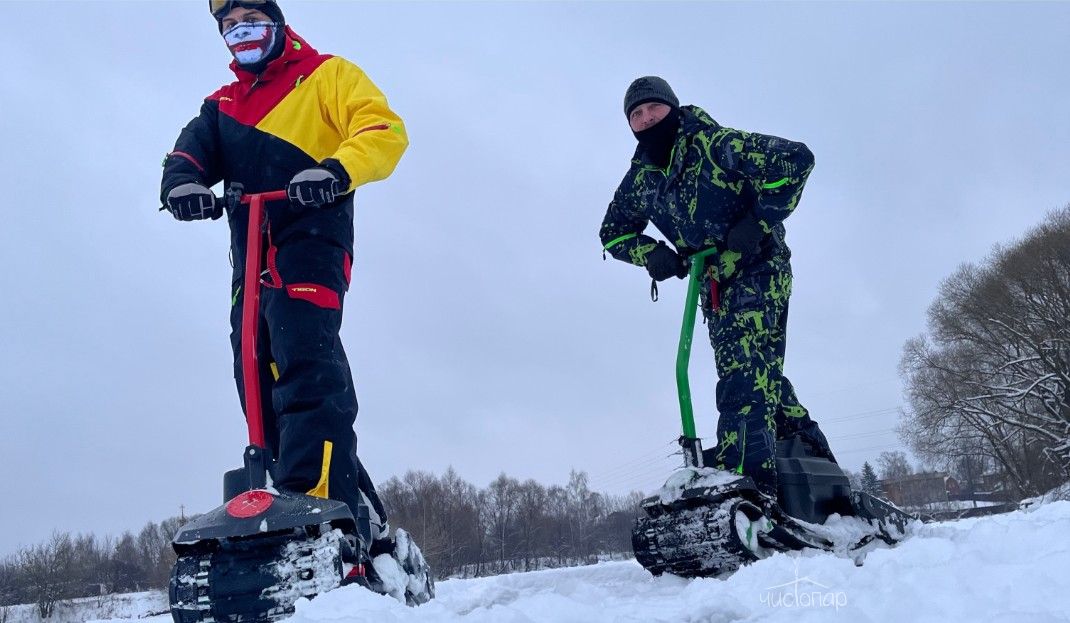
(1004, 568)
(118, 607)
(1060, 493)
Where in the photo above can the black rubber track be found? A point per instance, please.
(698, 542)
(229, 585)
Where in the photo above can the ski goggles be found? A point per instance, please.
(219, 8)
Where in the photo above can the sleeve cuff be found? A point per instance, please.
(334, 166)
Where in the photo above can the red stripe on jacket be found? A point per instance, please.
(381, 126)
(183, 154)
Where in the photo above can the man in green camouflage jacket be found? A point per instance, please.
(703, 185)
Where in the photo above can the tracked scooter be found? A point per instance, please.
(254, 557)
(708, 522)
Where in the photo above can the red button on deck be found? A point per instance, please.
(250, 504)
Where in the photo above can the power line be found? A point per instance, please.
(895, 446)
(861, 415)
(646, 471)
(849, 388)
(641, 458)
(872, 433)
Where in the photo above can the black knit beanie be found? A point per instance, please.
(649, 89)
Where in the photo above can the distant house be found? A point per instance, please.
(920, 489)
(994, 487)
(992, 481)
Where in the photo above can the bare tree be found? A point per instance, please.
(558, 533)
(126, 568)
(46, 570)
(620, 514)
(502, 503)
(9, 593)
(417, 503)
(460, 520)
(585, 507)
(154, 549)
(530, 521)
(991, 380)
(893, 465)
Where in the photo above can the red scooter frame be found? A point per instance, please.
(258, 459)
(250, 320)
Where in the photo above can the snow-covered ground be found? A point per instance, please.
(1005, 568)
(953, 505)
(119, 607)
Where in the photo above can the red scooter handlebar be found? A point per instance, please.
(271, 195)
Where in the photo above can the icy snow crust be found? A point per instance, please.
(1004, 569)
(693, 478)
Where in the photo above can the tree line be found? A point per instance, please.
(511, 525)
(988, 384)
(70, 566)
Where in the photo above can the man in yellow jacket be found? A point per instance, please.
(317, 126)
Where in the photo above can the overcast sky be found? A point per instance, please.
(484, 329)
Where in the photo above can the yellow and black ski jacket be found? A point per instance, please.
(305, 109)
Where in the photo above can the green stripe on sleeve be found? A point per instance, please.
(616, 241)
(776, 184)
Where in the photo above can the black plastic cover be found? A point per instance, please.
(287, 512)
(810, 488)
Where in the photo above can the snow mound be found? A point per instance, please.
(1003, 568)
(1060, 493)
(392, 575)
(846, 532)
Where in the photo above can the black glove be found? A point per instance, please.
(314, 187)
(662, 263)
(745, 235)
(193, 202)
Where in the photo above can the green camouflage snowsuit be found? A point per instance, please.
(716, 176)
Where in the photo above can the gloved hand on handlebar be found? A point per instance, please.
(193, 202)
(662, 263)
(317, 187)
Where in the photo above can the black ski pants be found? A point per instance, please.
(307, 396)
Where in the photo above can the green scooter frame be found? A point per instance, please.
(689, 441)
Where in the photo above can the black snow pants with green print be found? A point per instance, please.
(757, 403)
